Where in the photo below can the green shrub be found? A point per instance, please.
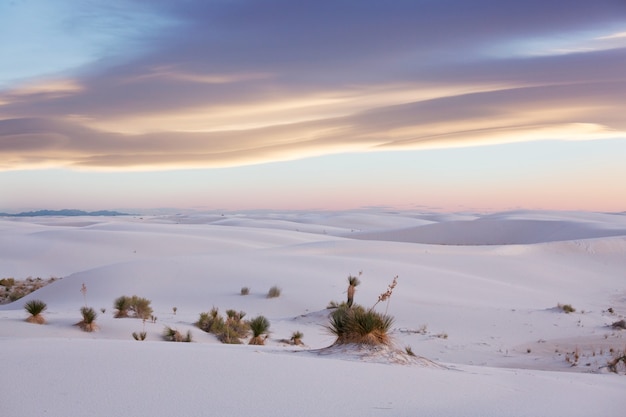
(360, 326)
(259, 326)
(139, 307)
(296, 338)
(173, 335)
(88, 323)
(121, 305)
(274, 292)
(230, 330)
(35, 308)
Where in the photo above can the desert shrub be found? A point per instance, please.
(140, 336)
(211, 322)
(88, 323)
(138, 306)
(245, 290)
(121, 306)
(260, 326)
(296, 338)
(35, 308)
(620, 324)
(274, 292)
(360, 326)
(230, 330)
(173, 335)
(567, 308)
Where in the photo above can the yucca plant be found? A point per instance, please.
(88, 323)
(121, 306)
(296, 338)
(260, 326)
(360, 326)
(353, 282)
(35, 308)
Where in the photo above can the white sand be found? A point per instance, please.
(489, 282)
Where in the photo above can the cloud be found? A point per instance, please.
(250, 82)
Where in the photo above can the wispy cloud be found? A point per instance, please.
(249, 82)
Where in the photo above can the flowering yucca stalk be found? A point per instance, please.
(387, 294)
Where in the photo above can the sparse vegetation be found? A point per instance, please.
(245, 290)
(296, 338)
(566, 308)
(260, 327)
(88, 323)
(173, 335)
(620, 324)
(141, 336)
(409, 351)
(617, 363)
(12, 289)
(229, 330)
(274, 292)
(137, 306)
(35, 308)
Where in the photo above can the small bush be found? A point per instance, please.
(296, 338)
(259, 326)
(173, 335)
(140, 336)
(274, 292)
(227, 331)
(567, 308)
(139, 307)
(35, 308)
(88, 323)
(245, 290)
(121, 306)
(360, 326)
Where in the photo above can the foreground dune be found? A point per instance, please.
(476, 298)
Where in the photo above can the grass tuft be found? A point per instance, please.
(35, 308)
(274, 292)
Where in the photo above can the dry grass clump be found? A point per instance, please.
(35, 308)
(566, 308)
(245, 290)
(88, 323)
(132, 306)
(618, 362)
(274, 292)
(173, 335)
(260, 328)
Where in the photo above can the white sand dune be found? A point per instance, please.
(476, 299)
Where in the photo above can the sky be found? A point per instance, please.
(444, 105)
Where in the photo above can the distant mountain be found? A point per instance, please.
(65, 212)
